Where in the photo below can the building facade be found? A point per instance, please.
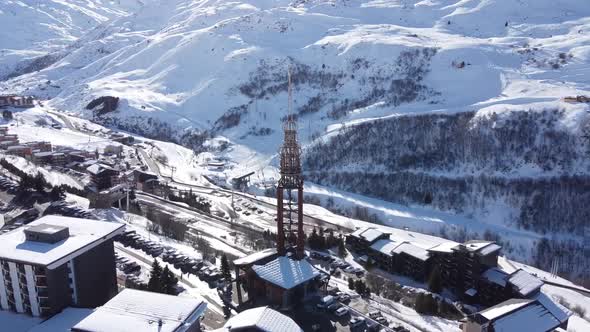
(61, 262)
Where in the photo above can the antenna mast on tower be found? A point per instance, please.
(291, 179)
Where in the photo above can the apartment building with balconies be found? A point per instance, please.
(55, 262)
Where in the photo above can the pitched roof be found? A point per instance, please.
(496, 276)
(412, 250)
(135, 310)
(560, 312)
(98, 168)
(263, 319)
(531, 317)
(444, 247)
(503, 308)
(481, 247)
(385, 246)
(255, 257)
(524, 283)
(285, 272)
(369, 234)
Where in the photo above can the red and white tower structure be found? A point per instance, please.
(290, 210)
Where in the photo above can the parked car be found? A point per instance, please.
(334, 306)
(356, 321)
(349, 269)
(344, 298)
(382, 320)
(374, 314)
(326, 301)
(341, 312)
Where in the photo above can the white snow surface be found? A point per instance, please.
(286, 272)
(262, 319)
(135, 310)
(83, 233)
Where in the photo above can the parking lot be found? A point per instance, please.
(188, 265)
(346, 310)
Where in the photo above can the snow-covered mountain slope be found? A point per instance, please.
(32, 29)
(191, 70)
(188, 63)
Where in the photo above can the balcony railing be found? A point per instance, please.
(42, 293)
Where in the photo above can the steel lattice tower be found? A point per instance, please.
(291, 179)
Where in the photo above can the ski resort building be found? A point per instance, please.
(261, 319)
(39, 146)
(20, 151)
(363, 238)
(269, 278)
(17, 101)
(135, 310)
(103, 176)
(517, 315)
(55, 262)
(462, 265)
(401, 257)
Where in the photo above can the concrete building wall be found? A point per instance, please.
(32, 290)
(3, 293)
(57, 289)
(96, 277)
(18, 299)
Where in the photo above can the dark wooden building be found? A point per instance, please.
(103, 176)
(402, 258)
(361, 240)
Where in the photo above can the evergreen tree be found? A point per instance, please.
(312, 240)
(169, 282)
(39, 182)
(435, 281)
(56, 194)
(370, 263)
(359, 286)
(331, 239)
(155, 282)
(225, 270)
(351, 283)
(341, 248)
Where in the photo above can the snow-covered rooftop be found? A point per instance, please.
(496, 276)
(64, 321)
(98, 167)
(524, 282)
(285, 272)
(263, 319)
(445, 247)
(490, 248)
(560, 312)
(412, 250)
(253, 258)
(84, 235)
(369, 234)
(482, 247)
(135, 310)
(531, 317)
(385, 246)
(504, 308)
